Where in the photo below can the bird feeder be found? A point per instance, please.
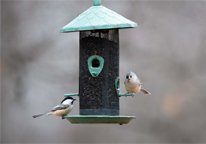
(99, 92)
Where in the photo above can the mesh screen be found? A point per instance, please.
(99, 93)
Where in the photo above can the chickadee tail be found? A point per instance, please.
(46, 113)
(144, 91)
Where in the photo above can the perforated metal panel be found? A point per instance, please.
(98, 94)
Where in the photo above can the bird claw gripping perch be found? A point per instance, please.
(132, 94)
(63, 116)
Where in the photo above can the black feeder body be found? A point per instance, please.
(98, 65)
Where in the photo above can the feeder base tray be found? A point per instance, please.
(99, 119)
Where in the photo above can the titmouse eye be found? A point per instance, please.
(130, 76)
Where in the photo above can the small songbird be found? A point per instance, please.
(61, 110)
(133, 84)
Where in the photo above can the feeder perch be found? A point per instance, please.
(99, 92)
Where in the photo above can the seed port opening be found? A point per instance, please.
(95, 63)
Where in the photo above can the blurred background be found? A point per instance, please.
(166, 51)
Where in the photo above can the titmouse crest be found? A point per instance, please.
(133, 84)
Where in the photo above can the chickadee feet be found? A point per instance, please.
(132, 94)
(63, 116)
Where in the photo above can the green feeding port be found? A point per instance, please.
(95, 65)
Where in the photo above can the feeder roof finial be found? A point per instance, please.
(97, 2)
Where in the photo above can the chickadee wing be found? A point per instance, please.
(60, 107)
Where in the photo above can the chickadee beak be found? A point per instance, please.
(74, 99)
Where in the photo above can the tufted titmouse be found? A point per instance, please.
(133, 84)
(60, 110)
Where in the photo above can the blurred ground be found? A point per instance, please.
(39, 65)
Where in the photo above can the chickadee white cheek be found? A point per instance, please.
(66, 102)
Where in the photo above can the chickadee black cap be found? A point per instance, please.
(68, 98)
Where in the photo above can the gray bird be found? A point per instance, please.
(133, 84)
(60, 110)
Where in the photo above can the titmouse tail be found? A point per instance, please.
(144, 91)
(46, 113)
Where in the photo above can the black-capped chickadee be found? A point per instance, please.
(133, 84)
(60, 110)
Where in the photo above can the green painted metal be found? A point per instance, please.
(127, 94)
(98, 17)
(117, 80)
(97, 2)
(117, 85)
(72, 94)
(95, 65)
(99, 119)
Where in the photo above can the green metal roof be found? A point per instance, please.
(98, 17)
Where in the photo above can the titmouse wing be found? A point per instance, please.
(60, 107)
